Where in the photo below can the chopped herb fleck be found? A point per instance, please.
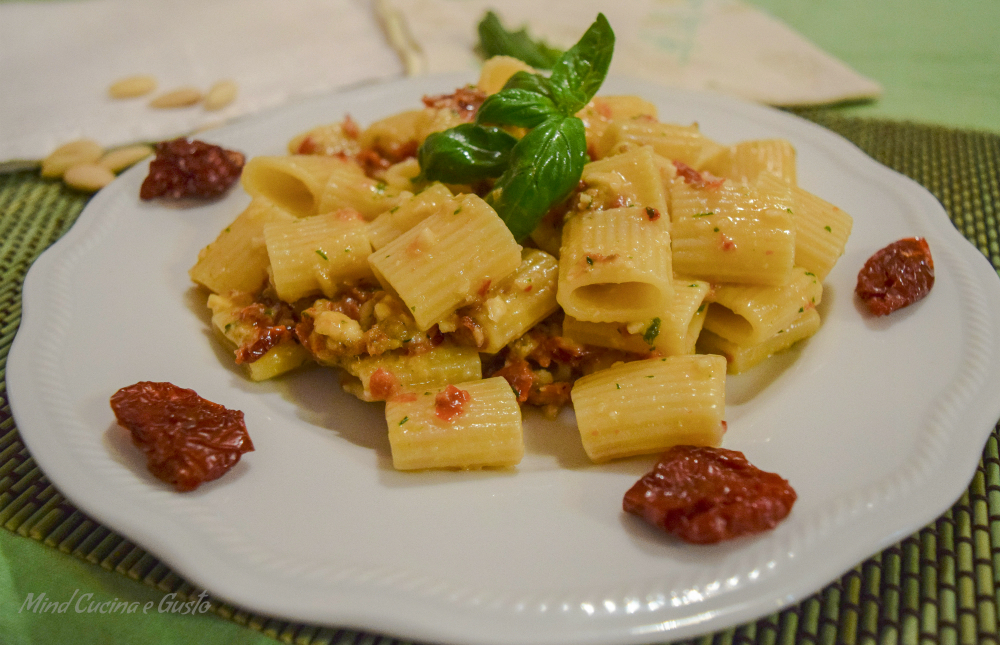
(703, 214)
(618, 386)
(701, 308)
(828, 229)
(789, 210)
(801, 309)
(405, 419)
(715, 230)
(457, 211)
(320, 253)
(652, 331)
(590, 261)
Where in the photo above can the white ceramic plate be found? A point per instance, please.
(878, 424)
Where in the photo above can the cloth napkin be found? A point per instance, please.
(718, 45)
(57, 60)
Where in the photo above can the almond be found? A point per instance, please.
(121, 158)
(132, 86)
(71, 154)
(220, 95)
(88, 177)
(181, 97)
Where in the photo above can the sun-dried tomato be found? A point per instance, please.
(695, 178)
(188, 440)
(450, 403)
(383, 384)
(896, 276)
(705, 495)
(193, 168)
(465, 101)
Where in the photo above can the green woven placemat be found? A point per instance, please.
(940, 585)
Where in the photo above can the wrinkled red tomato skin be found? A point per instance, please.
(183, 168)
(896, 276)
(188, 440)
(706, 495)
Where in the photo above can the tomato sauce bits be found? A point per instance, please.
(705, 495)
(896, 276)
(188, 440)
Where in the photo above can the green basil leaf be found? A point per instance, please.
(531, 82)
(465, 154)
(545, 166)
(513, 106)
(581, 70)
(496, 40)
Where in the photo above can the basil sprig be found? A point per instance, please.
(542, 168)
(496, 40)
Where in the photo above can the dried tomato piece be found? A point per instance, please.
(697, 179)
(194, 168)
(188, 440)
(450, 403)
(465, 101)
(896, 276)
(705, 495)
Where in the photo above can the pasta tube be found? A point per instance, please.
(237, 259)
(615, 266)
(316, 254)
(740, 358)
(682, 403)
(749, 314)
(469, 425)
(451, 258)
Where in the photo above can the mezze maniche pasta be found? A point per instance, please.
(675, 261)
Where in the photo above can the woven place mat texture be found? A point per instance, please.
(940, 585)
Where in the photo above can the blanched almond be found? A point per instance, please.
(222, 94)
(88, 177)
(181, 97)
(71, 154)
(121, 158)
(132, 86)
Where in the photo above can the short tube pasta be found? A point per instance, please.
(683, 402)
(316, 254)
(740, 358)
(749, 314)
(295, 183)
(518, 303)
(237, 259)
(732, 232)
(673, 332)
(480, 429)
(410, 212)
(393, 372)
(615, 265)
(451, 258)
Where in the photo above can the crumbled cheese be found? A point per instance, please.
(338, 327)
(496, 308)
